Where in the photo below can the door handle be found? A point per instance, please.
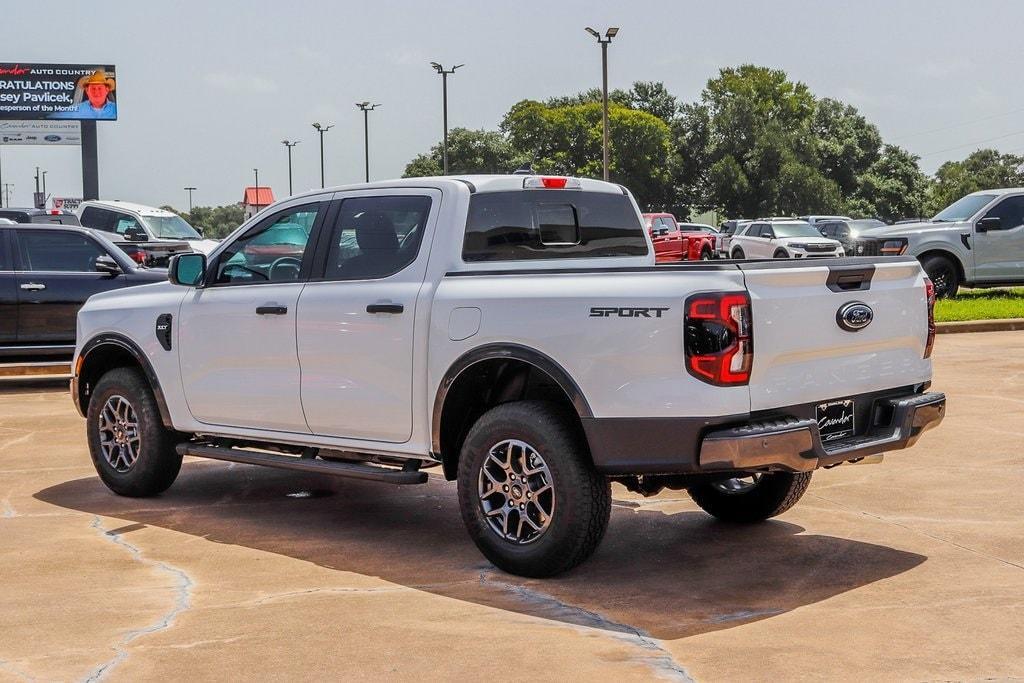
(385, 308)
(271, 310)
(33, 286)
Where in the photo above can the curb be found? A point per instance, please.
(1002, 325)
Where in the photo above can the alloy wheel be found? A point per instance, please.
(516, 492)
(119, 433)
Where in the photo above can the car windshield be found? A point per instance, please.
(964, 208)
(173, 227)
(795, 230)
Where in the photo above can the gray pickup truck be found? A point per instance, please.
(977, 241)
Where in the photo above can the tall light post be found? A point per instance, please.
(608, 35)
(289, 144)
(256, 203)
(366, 108)
(190, 190)
(322, 129)
(44, 185)
(444, 96)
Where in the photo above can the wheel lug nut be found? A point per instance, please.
(522, 507)
(505, 488)
(529, 495)
(512, 477)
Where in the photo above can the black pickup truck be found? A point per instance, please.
(46, 274)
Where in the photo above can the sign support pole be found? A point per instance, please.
(90, 162)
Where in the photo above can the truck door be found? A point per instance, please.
(56, 274)
(236, 335)
(357, 315)
(8, 292)
(999, 254)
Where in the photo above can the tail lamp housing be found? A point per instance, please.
(136, 254)
(718, 338)
(929, 293)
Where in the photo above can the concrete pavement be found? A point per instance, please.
(908, 570)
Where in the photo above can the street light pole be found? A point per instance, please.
(322, 129)
(609, 34)
(189, 190)
(366, 108)
(256, 202)
(44, 186)
(444, 97)
(289, 144)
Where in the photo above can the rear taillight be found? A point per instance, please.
(136, 254)
(929, 293)
(718, 338)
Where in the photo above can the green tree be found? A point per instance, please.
(216, 222)
(469, 151)
(654, 98)
(984, 169)
(760, 155)
(847, 145)
(892, 188)
(567, 140)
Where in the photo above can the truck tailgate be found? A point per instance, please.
(802, 354)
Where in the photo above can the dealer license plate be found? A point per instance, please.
(835, 420)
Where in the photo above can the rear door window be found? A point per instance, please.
(542, 224)
(98, 219)
(376, 237)
(52, 251)
(5, 258)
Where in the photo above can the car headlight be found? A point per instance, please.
(797, 245)
(894, 247)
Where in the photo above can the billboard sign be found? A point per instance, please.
(77, 92)
(40, 133)
(66, 203)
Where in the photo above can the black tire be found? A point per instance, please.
(156, 463)
(772, 495)
(944, 275)
(738, 255)
(780, 253)
(580, 504)
(706, 255)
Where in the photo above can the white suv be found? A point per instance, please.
(781, 238)
(115, 216)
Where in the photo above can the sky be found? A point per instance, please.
(208, 89)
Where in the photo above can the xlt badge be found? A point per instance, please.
(626, 312)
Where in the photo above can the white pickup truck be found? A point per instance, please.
(514, 332)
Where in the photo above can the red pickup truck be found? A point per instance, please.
(679, 242)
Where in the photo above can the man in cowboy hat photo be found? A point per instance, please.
(94, 95)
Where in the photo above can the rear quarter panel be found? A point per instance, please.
(625, 366)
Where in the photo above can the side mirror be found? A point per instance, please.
(186, 269)
(200, 229)
(106, 264)
(135, 235)
(662, 232)
(989, 223)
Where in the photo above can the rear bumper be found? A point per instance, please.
(780, 439)
(796, 446)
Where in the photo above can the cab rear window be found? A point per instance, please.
(541, 224)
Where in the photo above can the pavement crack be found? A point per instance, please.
(548, 606)
(182, 601)
(911, 529)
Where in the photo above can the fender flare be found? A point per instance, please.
(509, 351)
(108, 339)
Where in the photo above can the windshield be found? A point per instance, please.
(795, 230)
(173, 227)
(964, 208)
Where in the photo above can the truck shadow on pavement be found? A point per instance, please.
(662, 575)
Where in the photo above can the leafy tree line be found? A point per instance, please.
(216, 222)
(754, 144)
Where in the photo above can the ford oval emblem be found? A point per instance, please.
(854, 316)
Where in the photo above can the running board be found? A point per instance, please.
(304, 464)
(35, 369)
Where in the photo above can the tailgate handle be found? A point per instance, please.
(850, 278)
